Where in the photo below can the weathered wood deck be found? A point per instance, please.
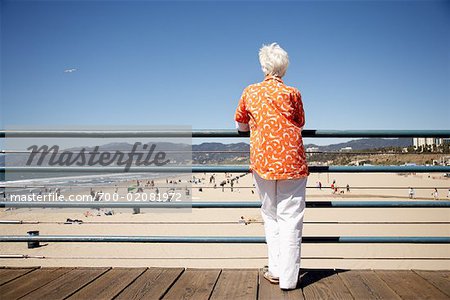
(180, 283)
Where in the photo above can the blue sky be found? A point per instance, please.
(358, 64)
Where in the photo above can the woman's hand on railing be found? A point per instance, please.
(242, 127)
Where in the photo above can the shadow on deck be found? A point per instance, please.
(180, 283)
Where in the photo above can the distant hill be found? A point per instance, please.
(365, 144)
(236, 158)
(221, 147)
(359, 144)
(238, 151)
(220, 158)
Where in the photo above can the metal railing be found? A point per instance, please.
(221, 204)
(231, 169)
(236, 169)
(221, 239)
(218, 133)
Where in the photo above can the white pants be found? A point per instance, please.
(283, 209)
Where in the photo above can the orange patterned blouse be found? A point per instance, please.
(274, 112)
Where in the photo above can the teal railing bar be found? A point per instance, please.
(220, 239)
(396, 239)
(212, 204)
(230, 169)
(215, 133)
(390, 204)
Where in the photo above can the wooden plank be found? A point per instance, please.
(236, 284)
(194, 284)
(67, 284)
(365, 284)
(8, 274)
(324, 284)
(109, 284)
(269, 290)
(409, 285)
(30, 282)
(152, 284)
(440, 279)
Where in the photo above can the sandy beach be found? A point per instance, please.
(225, 222)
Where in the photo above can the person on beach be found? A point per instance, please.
(242, 220)
(435, 194)
(273, 113)
(411, 193)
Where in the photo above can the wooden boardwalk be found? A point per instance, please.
(180, 283)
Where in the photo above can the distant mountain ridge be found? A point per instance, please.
(359, 144)
(366, 144)
(221, 147)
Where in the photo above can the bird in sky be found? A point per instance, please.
(69, 70)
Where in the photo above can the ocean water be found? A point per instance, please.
(65, 181)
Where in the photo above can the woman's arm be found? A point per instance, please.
(241, 116)
(300, 113)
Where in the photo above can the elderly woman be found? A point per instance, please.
(273, 112)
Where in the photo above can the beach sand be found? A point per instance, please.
(225, 222)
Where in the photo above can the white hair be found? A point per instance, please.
(274, 60)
